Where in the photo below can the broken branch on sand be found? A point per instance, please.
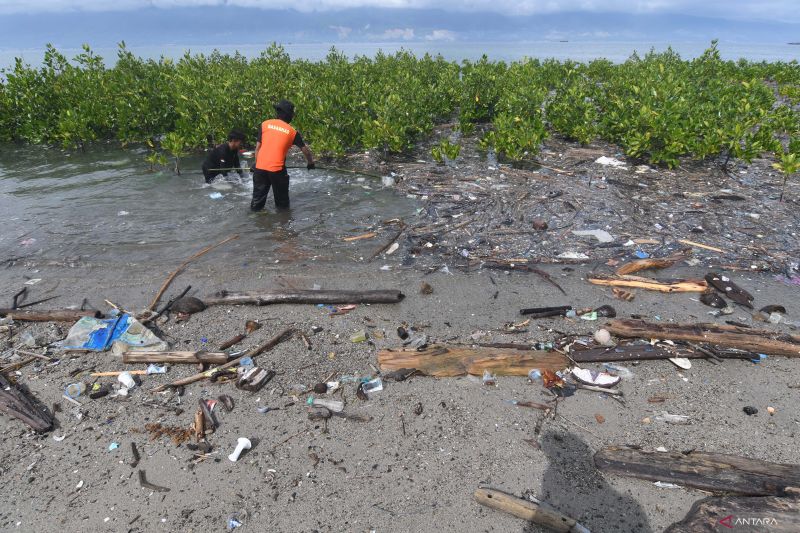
(55, 315)
(387, 296)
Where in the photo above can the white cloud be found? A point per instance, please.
(779, 10)
(342, 31)
(441, 35)
(406, 34)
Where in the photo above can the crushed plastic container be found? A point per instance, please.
(375, 385)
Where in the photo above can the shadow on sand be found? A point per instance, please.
(573, 485)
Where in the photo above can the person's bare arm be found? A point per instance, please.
(309, 156)
(258, 147)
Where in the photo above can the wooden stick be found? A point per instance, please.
(391, 241)
(55, 315)
(304, 297)
(183, 265)
(524, 509)
(17, 365)
(117, 373)
(703, 246)
(252, 352)
(147, 485)
(199, 425)
(369, 235)
(677, 285)
(33, 354)
(188, 357)
(233, 341)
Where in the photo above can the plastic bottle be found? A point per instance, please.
(535, 376)
(334, 405)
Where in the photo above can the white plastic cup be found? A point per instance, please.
(127, 380)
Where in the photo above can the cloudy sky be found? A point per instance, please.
(774, 10)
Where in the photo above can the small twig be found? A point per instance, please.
(284, 441)
(22, 292)
(147, 485)
(167, 306)
(590, 432)
(391, 241)
(135, 453)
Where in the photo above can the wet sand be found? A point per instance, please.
(400, 471)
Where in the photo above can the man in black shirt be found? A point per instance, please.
(224, 156)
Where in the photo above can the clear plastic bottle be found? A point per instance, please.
(334, 405)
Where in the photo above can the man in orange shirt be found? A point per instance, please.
(274, 139)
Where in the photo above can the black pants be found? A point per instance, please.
(262, 181)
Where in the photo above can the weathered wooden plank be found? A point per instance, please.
(758, 341)
(773, 514)
(452, 360)
(713, 472)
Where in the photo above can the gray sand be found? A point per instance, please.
(401, 471)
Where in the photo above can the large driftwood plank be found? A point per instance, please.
(304, 297)
(451, 360)
(713, 472)
(54, 315)
(773, 514)
(758, 341)
(636, 282)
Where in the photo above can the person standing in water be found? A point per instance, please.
(274, 139)
(224, 156)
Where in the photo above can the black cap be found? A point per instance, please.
(236, 135)
(286, 106)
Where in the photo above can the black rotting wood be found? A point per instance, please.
(18, 403)
(730, 289)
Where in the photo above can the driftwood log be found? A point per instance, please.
(636, 282)
(773, 514)
(752, 340)
(452, 360)
(17, 403)
(304, 297)
(53, 315)
(538, 513)
(143, 356)
(713, 472)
